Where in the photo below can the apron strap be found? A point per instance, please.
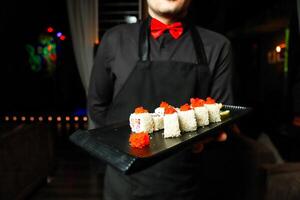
(144, 44)
(198, 46)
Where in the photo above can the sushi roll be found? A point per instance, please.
(201, 111)
(161, 109)
(158, 121)
(171, 123)
(213, 110)
(141, 121)
(187, 119)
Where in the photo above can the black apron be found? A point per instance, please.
(149, 83)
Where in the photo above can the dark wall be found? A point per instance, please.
(22, 89)
(225, 16)
(257, 83)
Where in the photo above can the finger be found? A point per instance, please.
(198, 147)
(236, 129)
(222, 137)
(206, 140)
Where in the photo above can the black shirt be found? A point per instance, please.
(118, 53)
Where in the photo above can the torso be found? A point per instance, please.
(124, 45)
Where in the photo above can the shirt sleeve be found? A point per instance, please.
(101, 83)
(221, 88)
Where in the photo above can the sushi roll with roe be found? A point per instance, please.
(161, 109)
(141, 121)
(171, 123)
(158, 121)
(201, 112)
(187, 119)
(213, 110)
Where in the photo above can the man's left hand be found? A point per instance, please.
(198, 147)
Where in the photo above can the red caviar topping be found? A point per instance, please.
(170, 110)
(210, 100)
(185, 107)
(140, 110)
(164, 104)
(139, 140)
(196, 102)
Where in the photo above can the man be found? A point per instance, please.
(163, 58)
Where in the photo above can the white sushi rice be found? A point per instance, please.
(202, 116)
(158, 121)
(141, 122)
(187, 120)
(171, 126)
(214, 112)
(160, 111)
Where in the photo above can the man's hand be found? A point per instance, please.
(198, 147)
(296, 121)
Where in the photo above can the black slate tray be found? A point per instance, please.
(111, 145)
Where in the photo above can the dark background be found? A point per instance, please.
(23, 90)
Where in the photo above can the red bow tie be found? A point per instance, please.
(157, 28)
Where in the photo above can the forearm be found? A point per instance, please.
(99, 96)
(101, 85)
